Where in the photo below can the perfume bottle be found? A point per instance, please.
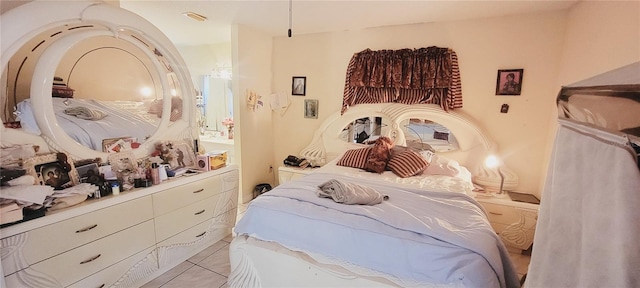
(155, 174)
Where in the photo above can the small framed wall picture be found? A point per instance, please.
(311, 108)
(299, 85)
(509, 82)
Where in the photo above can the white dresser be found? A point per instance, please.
(124, 240)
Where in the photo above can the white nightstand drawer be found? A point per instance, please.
(501, 214)
(288, 173)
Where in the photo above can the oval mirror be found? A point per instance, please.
(364, 129)
(419, 132)
(102, 70)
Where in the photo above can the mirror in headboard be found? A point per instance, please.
(126, 79)
(419, 132)
(364, 129)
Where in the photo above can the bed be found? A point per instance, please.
(129, 119)
(429, 233)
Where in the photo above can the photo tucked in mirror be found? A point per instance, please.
(419, 131)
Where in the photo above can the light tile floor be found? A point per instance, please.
(210, 268)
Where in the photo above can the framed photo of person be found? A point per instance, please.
(54, 169)
(182, 155)
(311, 108)
(299, 85)
(509, 82)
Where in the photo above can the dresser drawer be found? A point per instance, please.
(124, 273)
(83, 229)
(179, 220)
(183, 245)
(501, 214)
(86, 260)
(227, 202)
(230, 180)
(181, 196)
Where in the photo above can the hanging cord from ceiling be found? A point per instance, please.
(289, 31)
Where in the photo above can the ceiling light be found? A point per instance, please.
(195, 16)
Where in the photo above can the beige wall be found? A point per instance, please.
(532, 42)
(254, 137)
(201, 59)
(600, 36)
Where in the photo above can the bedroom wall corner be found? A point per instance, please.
(600, 36)
(251, 64)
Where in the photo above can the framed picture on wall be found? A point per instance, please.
(311, 108)
(299, 85)
(509, 82)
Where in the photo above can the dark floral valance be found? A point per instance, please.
(409, 76)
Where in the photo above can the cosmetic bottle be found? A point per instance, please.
(162, 172)
(115, 188)
(155, 174)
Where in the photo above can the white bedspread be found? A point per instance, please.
(416, 236)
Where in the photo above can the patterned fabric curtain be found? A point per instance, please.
(408, 76)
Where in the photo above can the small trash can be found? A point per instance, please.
(260, 189)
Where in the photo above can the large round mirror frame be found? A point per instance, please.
(35, 17)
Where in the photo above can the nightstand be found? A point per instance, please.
(514, 222)
(288, 173)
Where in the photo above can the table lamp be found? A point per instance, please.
(492, 162)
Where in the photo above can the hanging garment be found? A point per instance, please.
(589, 220)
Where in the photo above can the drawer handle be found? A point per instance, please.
(199, 212)
(87, 229)
(91, 259)
(495, 213)
(201, 234)
(198, 191)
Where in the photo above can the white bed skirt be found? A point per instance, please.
(256, 263)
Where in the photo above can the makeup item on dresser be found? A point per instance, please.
(143, 183)
(162, 172)
(155, 173)
(115, 188)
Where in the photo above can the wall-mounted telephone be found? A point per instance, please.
(295, 161)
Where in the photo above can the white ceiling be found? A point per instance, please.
(272, 16)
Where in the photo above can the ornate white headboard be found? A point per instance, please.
(474, 144)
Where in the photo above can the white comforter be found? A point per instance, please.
(416, 236)
(119, 122)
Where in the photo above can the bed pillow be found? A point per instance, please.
(407, 163)
(379, 155)
(356, 158)
(440, 165)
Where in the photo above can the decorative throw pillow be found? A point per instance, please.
(407, 163)
(356, 158)
(379, 156)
